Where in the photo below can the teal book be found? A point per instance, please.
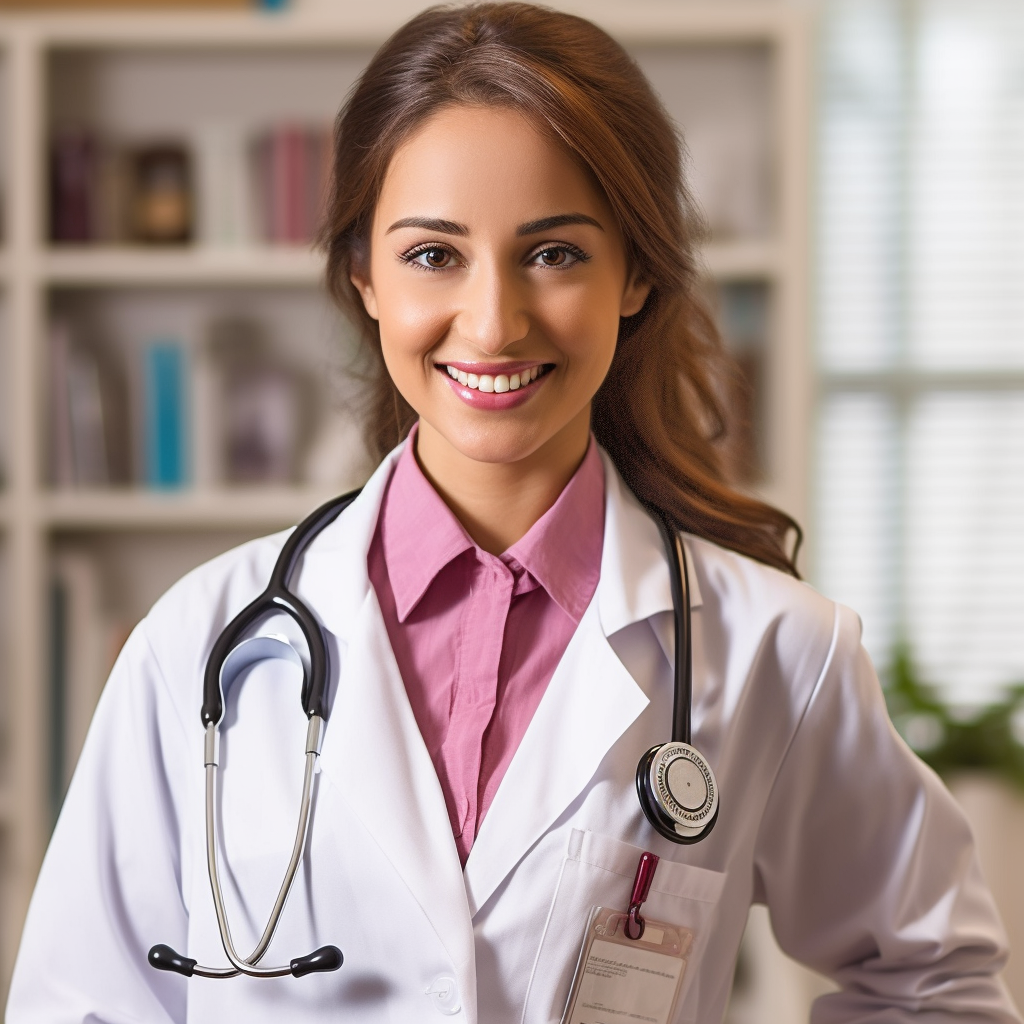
(166, 414)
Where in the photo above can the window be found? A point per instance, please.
(920, 481)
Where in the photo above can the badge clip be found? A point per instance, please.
(635, 923)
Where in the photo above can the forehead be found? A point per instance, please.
(485, 165)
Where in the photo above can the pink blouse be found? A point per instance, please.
(477, 636)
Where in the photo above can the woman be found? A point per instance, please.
(509, 226)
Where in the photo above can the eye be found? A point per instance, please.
(559, 257)
(553, 257)
(430, 257)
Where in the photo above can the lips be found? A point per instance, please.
(494, 385)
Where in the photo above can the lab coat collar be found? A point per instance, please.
(635, 582)
(334, 579)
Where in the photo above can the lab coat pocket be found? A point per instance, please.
(598, 871)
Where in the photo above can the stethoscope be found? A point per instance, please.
(675, 784)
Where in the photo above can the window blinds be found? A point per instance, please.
(920, 481)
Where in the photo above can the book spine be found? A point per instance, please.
(62, 465)
(58, 690)
(166, 415)
(72, 187)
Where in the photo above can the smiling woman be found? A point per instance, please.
(547, 196)
(516, 270)
(517, 704)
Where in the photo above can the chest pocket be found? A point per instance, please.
(599, 871)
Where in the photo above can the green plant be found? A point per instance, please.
(990, 739)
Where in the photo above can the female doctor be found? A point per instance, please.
(509, 225)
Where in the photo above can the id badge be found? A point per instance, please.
(630, 969)
(621, 979)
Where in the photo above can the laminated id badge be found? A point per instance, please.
(630, 969)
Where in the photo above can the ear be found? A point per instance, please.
(365, 288)
(634, 296)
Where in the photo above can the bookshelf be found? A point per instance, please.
(139, 75)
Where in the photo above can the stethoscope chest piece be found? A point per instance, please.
(678, 791)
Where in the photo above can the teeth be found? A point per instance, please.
(497, 384)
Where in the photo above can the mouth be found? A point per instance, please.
(496, 386)
(496, 380)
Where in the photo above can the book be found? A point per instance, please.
(73, 179)
(80, 659)
(225, 200)
(79, 455)
(264, 404)
(166, 414)
(290, 171)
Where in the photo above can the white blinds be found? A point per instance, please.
(920, 503)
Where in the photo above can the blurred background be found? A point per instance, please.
(174, 381)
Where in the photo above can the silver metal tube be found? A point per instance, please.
(243, 966)
(248, 965)
(293, 863)
(314, 735)
(211, 746)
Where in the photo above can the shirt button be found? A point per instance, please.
(445, 993)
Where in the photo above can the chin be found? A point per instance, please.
(497, 444)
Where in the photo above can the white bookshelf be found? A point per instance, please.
(140, 539)
(249, 508)
(126, 267)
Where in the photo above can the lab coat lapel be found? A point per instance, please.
(375, 758)
(589, 703)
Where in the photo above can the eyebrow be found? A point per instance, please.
(558, 221)
(533, 227)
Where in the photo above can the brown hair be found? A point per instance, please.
(659, 413)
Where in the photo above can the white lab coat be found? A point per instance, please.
(861, 855)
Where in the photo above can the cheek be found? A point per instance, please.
(412, 320)
(586, 323)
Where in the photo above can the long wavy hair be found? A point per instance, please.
(660, 411)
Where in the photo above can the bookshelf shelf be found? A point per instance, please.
(254, 508)
(129, 77)
(134, 266)
(367, 25)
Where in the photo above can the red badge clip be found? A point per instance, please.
(645, 869)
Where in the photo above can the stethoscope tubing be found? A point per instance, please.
(683, 667)
(278, 598)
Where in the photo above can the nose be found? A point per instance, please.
(493, 313)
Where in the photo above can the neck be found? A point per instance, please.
(498, 502)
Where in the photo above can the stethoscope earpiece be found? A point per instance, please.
(678, 792)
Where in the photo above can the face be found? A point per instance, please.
(498, 276)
